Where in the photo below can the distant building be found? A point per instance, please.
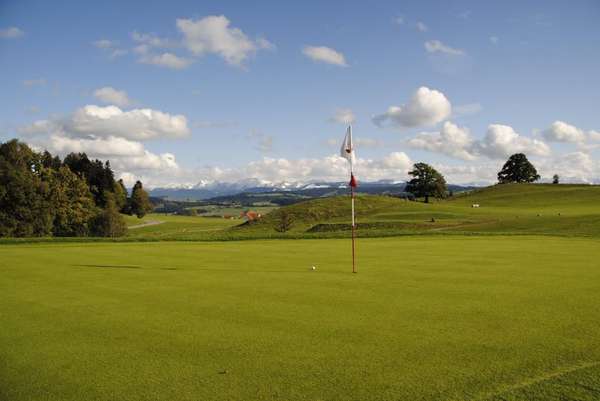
(250, 215)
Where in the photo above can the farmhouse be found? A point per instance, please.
(250, 215)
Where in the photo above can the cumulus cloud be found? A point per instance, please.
(152, 40)
(11, 33)
(125, 156)
(452, 140)
(502, 141)
(110, 47)
(110, 95)
(325, 54)
(435, 46)
(594, 135)
(95, 121)
(474, 174)
(213, 34)
(343, 116)
(167, 60)
(108, 133)
(560, 131)
(329, 168)
(499, 142)
(425, 108)
(421, 27)
(574, 167)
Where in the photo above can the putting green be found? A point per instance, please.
(426, 318)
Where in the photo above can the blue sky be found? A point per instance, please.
(237, 90)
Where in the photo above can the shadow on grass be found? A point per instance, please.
(112, 266)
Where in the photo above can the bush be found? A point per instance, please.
(109, 223)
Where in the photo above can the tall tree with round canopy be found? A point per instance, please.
(517, 169)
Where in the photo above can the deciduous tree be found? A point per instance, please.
(517, 169)
(426, 182)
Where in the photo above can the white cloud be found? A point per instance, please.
(127, 158)
(110, 95)
(452, 140)
(426, 107)
(435, 46)
(11, 33)
(475, 174)
(152, 40)
(499, 142)
(168, 60)
(108, 133)
(560, 131)
(325, 54)
(213, 34)
(574, 167)
(265, 44)
(421, 27)
(110, 47)
(343, 116)
(34, 82)
(502, 141)
(99, 147)
(494, 40)
(329, 168)
(399, 20)
(594, 135)
(110, 121)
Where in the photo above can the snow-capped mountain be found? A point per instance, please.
(210, 189)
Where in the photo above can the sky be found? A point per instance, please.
(184, 92)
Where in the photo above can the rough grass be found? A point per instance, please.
(570, 210)
(426, 318)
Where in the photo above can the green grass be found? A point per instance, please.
(175, 227)
(426, 318)
(569, 210)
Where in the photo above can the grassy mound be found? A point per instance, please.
(534, 196)
(506, 209)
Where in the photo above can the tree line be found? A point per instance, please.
(428, 182)
(42, 195)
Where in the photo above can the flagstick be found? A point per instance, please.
(353, 221)
(353, 229)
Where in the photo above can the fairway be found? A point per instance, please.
(426, 318)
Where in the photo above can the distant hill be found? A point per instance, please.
(281, 194)
(572, 210)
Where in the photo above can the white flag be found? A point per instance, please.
(347, 150)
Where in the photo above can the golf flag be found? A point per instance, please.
(347, 150)
(353, 183)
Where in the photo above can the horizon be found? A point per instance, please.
(177, 94)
